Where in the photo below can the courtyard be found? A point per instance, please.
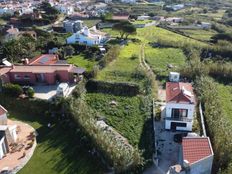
(20, 152)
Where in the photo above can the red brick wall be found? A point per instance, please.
(22, 79)
(50, 78)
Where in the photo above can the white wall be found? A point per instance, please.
(79, 38)
(202, 167)
(187, 128)
(189, 107)
(190, 116)
(1, 150)
(3, 119)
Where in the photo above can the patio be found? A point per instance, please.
(20, 152)
(47, 92)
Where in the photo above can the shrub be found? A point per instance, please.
(30, 92)
(217, 124)
(120, 89)
(13, 90)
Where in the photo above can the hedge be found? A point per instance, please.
(12, 90)
(119, 89)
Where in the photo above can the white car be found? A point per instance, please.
(62, 90)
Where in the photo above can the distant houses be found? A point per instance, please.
(88, 37)
(14, 33)
(72, 25)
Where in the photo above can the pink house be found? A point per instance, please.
(43, 69)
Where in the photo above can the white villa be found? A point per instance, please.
(87, 37)
(8, 134)
(180, 106)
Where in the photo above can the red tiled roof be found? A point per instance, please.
(44, 59)
(125, 17)
(4, 70)
(2, 110)
(179, 92)
(196, 148)
(41, 68)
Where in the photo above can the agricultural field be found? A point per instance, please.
(130, 117)
(56, 151)
(90, 22)
(81, 61)
(153, 34)
(203, 35)
(225, 94)
(124, 67)
(160, 58)
(142, 21)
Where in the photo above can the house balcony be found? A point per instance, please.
(184, 119)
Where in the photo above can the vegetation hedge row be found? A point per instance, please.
(13, 90)
(120, 89)
(219, 129)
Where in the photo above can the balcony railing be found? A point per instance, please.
(179, 119)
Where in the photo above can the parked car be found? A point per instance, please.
(178, 137)
(62, 90)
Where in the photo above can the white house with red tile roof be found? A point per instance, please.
(197, 155)
(3, 115)
(180, 106)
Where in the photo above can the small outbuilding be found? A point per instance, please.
(3, 115)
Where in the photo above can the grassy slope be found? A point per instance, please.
(204, 35)
(225, 94)
(127, 117)
(123, 67)
(57, 150)
(159, 58)
(81, 61)
(130, 118)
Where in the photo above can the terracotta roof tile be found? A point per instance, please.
(2, 110)
(195, 149)
(44, 59)
(179, 92)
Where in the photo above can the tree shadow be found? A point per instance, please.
(146, 143)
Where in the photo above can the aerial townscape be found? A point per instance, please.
(116, 86)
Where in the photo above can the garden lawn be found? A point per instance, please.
(58, 150)
(130, 117)
(225, 94)
(91, 22)
(159, 58)
(81, 61)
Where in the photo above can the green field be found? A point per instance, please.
(152, 34)
(159, 58)
(225, 94)
(130, 117)
(81, 61)
(90, 22)
(123, 68)
(58, 150)
(204, 35)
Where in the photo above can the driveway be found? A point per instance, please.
(47, 92)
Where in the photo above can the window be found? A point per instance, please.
(26, 77)
(179, 113)
(16, 76)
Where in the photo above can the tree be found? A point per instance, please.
(125, 29)
(68, 50)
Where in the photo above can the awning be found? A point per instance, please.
(77, 70)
